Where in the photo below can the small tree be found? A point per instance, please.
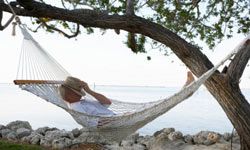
(166, 24)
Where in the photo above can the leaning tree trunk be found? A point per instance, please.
(223, 86)
(234, 104)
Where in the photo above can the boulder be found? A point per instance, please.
(113, 147)
(126, 143)
(139, 147)
(213, 137)
(35, 138)
(22, 132)
(61, 143)
(56, 134)
(18, 124)
(76, 132)
(175, 135)
(206, 137)
(146, 140)
(5, 132)
(2, 127)
(44, 142)
(11, 136)
(130, 140)
(133, 137)
(227, 136)
(188, 139)
(200, 137)
(43, 130)
(164, 130)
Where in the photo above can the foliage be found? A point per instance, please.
(209, 21)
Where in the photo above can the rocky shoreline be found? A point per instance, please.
(165, 139)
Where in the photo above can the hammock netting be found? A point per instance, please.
(36, 64)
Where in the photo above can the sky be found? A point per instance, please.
(106, 60)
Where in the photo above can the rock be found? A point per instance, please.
(178, 143)
(165, 139)
(5, 132)
(44, 142)
(35, 138)
(130, 140)
(200, 137)
(175, 135)
(56, 134)
(188, 139)
(19, 124)
(22, 132)
(206, 138)
(95, 139)
(11, 136)
(127, 143)
(61, 143)
(133, 137)
(113, 147)
(236, 139)
(80, 139)
(132, 147)
(146, 140)
(139, 147)
(165, 131)
(161, 136)
(76, 132)
(212, 138)
(2, 127)
(91, 137)
(227, 136)
(42, 130)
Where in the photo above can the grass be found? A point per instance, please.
(6, 145)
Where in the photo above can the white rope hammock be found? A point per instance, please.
(41, 75)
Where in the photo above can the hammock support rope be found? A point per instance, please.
(40, 74)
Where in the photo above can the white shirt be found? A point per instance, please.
(91, 107)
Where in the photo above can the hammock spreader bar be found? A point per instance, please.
(20, 82)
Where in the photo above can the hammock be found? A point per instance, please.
(39, 73)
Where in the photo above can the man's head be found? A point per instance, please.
(71, 90)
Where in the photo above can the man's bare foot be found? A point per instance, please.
(190, 78)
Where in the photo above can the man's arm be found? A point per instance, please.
(101, 98)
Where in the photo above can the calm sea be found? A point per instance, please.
(199, 112)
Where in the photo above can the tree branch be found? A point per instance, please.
(130, 7)
(2, 27)
(239, 62)
(62, 32)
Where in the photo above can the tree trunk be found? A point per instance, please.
(234, 104)
(225, 88)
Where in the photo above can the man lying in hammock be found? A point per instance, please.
(73, 89)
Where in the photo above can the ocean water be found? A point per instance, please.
(199, 112)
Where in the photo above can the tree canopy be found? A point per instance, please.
(209, 21)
